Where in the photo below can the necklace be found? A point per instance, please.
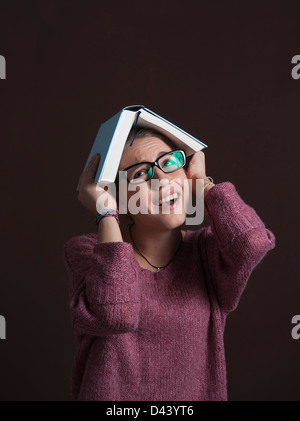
(156, 267)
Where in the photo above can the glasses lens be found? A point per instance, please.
(172, 162)
(139, 173)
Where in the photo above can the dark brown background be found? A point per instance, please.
(219, 69)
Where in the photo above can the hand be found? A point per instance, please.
(93, 195)
(196, 168)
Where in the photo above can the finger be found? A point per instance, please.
(90, 171)
(92, 168)
(93, 161)
(80, 181)
(198, 158)
(83, 176)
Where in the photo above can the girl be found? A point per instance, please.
(148, 299)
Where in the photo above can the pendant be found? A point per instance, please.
(158, 269)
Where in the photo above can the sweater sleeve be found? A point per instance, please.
(104, 288)
(234, 243)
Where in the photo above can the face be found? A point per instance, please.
(145, 197)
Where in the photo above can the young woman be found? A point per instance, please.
(149, 299)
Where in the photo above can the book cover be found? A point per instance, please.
(112, 136)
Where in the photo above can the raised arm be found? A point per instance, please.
(104, 288)
(234, 243)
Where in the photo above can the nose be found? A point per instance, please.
(162, 179)
(158, 173)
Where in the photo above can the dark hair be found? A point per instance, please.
(146, 132)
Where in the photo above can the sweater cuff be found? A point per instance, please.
(229, 215)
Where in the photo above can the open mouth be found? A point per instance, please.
(169, 200)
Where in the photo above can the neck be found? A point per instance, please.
(158, 247)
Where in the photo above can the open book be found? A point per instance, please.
(112, 136)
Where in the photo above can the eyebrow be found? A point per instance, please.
(141, 162)
(159, 154)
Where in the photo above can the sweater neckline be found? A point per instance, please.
(179, 258)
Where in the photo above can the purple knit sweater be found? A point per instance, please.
(158, 336)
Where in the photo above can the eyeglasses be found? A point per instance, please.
(144, 171)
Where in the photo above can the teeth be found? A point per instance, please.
(168, 198)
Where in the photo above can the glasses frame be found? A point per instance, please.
(156, 164)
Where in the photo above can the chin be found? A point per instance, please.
(160, 221)
(170, 221)
(168, 217)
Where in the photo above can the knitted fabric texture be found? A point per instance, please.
(158, 336)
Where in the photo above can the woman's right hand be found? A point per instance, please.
(93, 195)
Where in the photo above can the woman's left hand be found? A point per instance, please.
(196, 169)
